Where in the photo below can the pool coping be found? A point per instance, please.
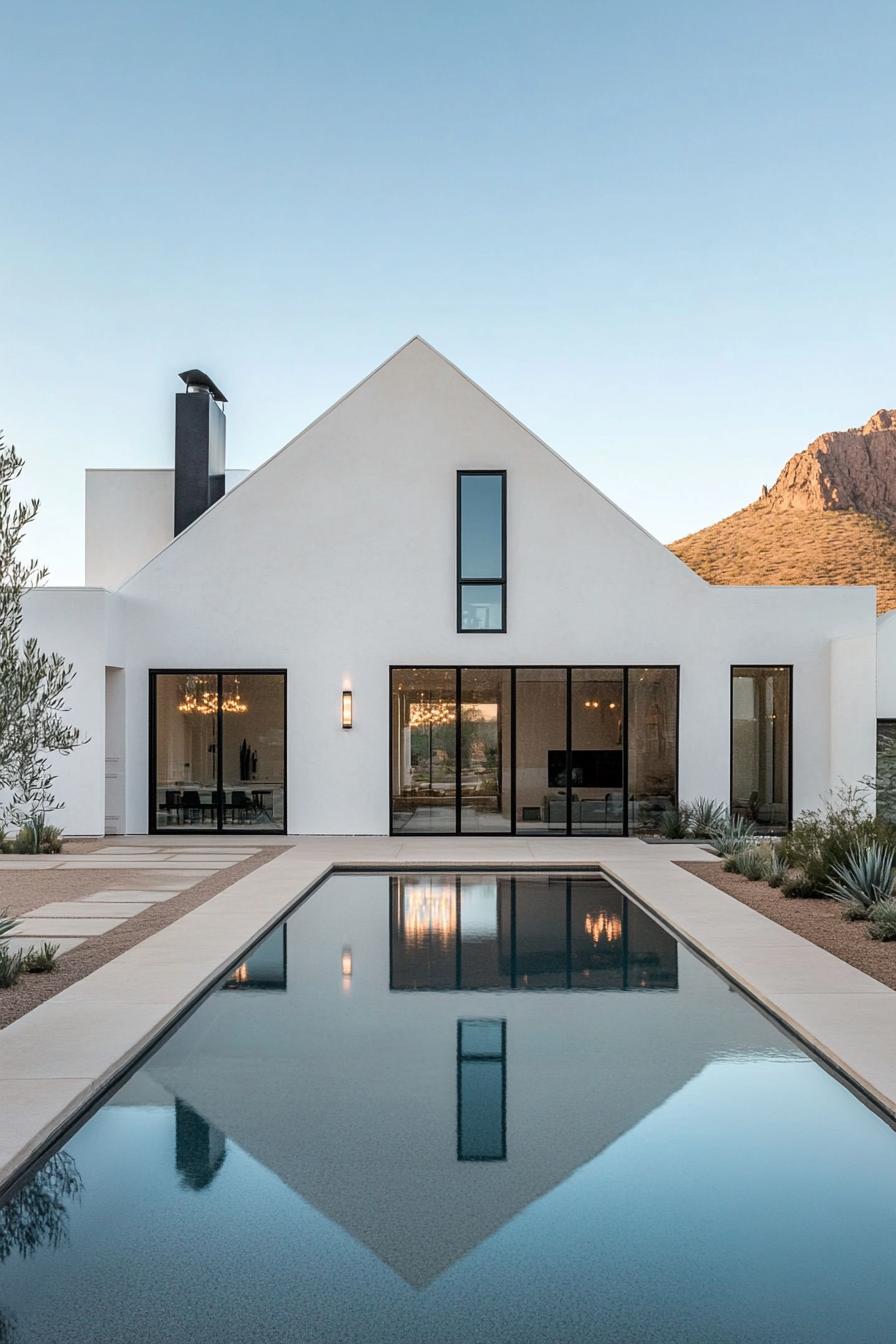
(63, 1056)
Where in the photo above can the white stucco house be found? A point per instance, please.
(417, 618)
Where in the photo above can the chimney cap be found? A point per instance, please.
(196, 378)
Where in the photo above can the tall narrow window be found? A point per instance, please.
(481, 1090)
(760, 745)
(482, 551)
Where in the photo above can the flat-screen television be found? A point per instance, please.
(590, 769)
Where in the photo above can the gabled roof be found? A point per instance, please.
(226, 501)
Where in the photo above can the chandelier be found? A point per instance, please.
(603, 928)
(197, 700)
(428, 910)
(430, 713)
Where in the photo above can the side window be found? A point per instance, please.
(482, 551)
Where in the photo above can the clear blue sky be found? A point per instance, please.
(662, 234)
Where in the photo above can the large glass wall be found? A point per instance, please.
(760, 745)
(886, 769)
(219, 747)
(541, 793)
(424, 749)
(652, 745)
(537, 750)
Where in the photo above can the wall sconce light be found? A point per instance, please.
(346, 961)
(346, 709)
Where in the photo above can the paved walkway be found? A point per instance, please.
(60, 1055)
(171, 869)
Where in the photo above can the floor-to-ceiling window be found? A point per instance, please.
(886, 769)
(652, 745)
(218, 751)
(761, 745)
(533, 750)
(424, 749)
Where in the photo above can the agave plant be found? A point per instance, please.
(7, 924)
(676, 823)
(776, 868)
(882, 920)
(750, 861)
(733, 835)
(865, 876)
(707, 816)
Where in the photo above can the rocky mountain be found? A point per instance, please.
(830, 517)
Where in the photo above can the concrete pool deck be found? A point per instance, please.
(62, 1054)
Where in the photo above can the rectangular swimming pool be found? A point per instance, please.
(468, 1109)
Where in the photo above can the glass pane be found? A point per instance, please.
(482, 606)
(597, 713)
(424, 932)
(485, 749)
(760, 745)
(253, 730)
(481, 1036)
(597, 951)
(886, 769)
(651, 953)
(540, 928)
(480, 1110)
(186, 750)
(541, 749)
(652, 745)
(424, 711)
(484, 932)
(481, 527)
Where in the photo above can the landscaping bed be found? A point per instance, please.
(819, 920)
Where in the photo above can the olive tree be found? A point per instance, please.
(33, 683)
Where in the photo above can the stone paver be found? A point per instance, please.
(111, 909)
(139, 896)
(28, 927)
(27, 944)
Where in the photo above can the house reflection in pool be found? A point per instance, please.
(537, 931)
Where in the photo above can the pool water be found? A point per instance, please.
(438, 1107)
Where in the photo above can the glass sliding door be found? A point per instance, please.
(485, 740)
(541, 750)
(219, 751)
(253, 752)
(596, 760)
(760, 745)
(652, 707)
(185, 739)
(424, 749)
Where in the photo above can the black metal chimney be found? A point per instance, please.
(200, 427)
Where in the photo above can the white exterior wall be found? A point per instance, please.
(82, 625)
(337, 559)
(128, 518)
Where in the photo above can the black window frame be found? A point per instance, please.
(481, 1057)
(482, 581)
(513, 668)
(220, 673)
(756, 667)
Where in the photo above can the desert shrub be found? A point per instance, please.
(864, 876)
(10, 966)
(776, 868)
(882, 920)
(750, 862)
(42, 959)
(822, 838)
(675, 824)
(733, 834)
(798, 886)
(852, 910)
(37, 838)
(706, 817)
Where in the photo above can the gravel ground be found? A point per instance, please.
(23, 891)
(818, 921)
